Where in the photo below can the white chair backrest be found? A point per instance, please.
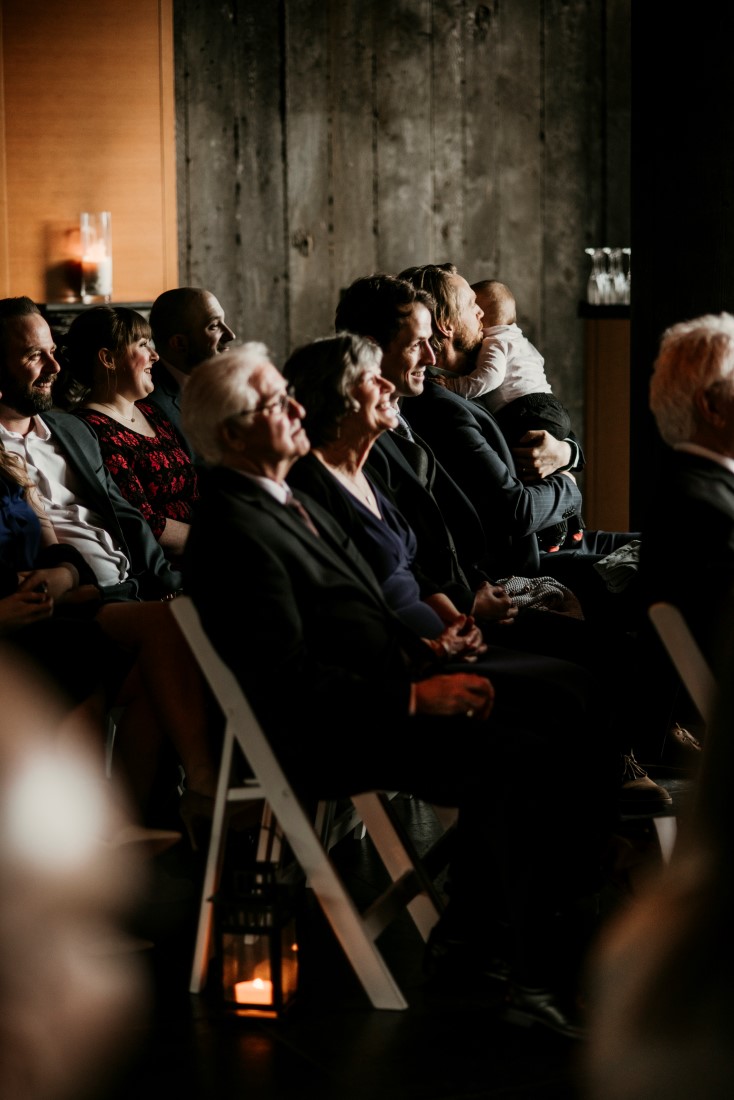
(411, 887)
(684, 652)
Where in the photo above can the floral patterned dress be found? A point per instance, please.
(156, 474)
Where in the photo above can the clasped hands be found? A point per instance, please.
(37, 591)
(59, 583)
(465, 694)
(540, 454)
(461, 638)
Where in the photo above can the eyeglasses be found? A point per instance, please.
(278, 404)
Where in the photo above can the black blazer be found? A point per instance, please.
(687, 545)
(326, 665)
(151, 575)
(451, 542)
(300, 619)
(468, 441)
(167, 397)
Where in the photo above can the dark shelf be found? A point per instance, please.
(60, 314)
(617, 312)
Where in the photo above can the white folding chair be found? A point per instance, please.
(682, 648)
(696, 677)
(411, 886)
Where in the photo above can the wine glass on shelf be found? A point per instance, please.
(618, 282)
(596, 287)
(627, 271)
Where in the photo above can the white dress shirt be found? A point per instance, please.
(73, 523)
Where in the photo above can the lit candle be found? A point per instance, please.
(96, 256)
(97, 276)
(256, 992)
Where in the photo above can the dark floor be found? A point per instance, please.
(448, 1045)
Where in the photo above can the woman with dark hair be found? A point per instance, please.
(108, 356)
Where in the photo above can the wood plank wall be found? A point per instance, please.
(320, 140)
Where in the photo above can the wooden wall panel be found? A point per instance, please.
(308, 168)
(404, 179)
(573, 54)
(520, 157)
(207, 52)
(88, 122)
(398, 132)
(448, 126)
(353, 231)
(483, 109)
(616, 173)
(230, 141)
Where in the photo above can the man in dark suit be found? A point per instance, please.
(687, 552)
(188, 326)
(516, 494)
(352, 699)
(451, 542)
(452, 549)
(692, 400)
(62, 456)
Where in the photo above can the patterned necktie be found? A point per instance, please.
(303, 515)
(414, 453)
(402, 428)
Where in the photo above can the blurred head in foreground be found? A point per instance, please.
(70, 988)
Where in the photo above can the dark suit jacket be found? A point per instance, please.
(451, 542)
(167, 396)
(151, 575)
(468, 441)
(687, 547)
(300, 620)
(326, 665)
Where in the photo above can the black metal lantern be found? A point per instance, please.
(257, 951)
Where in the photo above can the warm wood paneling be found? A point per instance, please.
(88, 118)
(606, 484)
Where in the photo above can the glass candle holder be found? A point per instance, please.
(96, 256)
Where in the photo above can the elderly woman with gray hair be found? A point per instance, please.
(348, 401)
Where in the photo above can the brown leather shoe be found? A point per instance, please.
(525, 1006)
(638, 793)
(685, 739)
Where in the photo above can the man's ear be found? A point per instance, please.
(707, 403)
(179, 342)
(445, 330)
(230, 435)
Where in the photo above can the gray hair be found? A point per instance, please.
(693, 356)
(323, 374)
(217, 390)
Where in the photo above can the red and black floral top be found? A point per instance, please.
(156, 475)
